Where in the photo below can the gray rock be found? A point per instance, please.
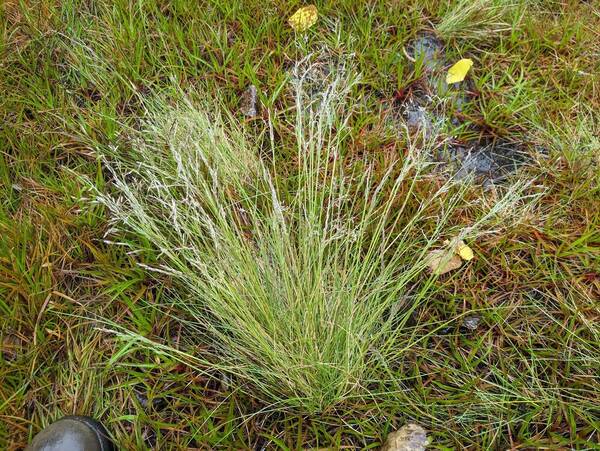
(428, 49)
(471, 322)
(438, 86)
(474, 161)
(249, 102)
(410, 437)
(312, 77)
(488, 163)
(418, 118)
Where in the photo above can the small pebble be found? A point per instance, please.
(156, 404)
(471, 322)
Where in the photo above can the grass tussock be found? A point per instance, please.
(301, 294)
(478, 20)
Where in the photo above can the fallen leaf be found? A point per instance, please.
(458, 71)
(304, 18)
(460, 248)
(465, 252)
(440, 262)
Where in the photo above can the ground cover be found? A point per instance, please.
(502, 352)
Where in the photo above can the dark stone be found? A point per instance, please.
(445, 330)
(156, 403)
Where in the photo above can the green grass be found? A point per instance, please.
(75, 77)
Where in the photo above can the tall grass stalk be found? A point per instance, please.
(299, 292)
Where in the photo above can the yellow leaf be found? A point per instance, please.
(304, 18)
(465, 252)
(440, 262)
(458, 71)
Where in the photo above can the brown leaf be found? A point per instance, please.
(441, 262)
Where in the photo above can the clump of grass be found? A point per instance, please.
(477, 20)
(301, 291)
